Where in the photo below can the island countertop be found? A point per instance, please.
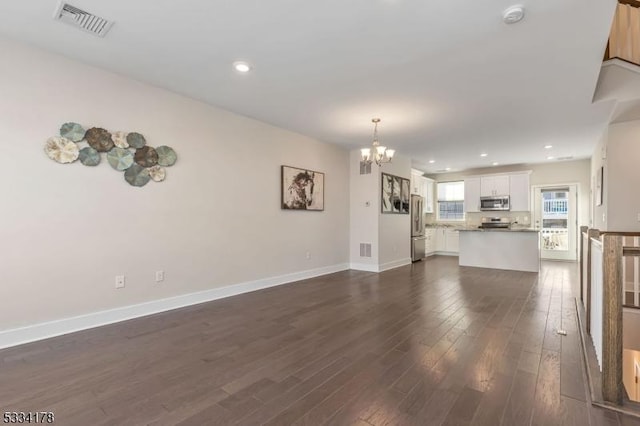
(498, 229)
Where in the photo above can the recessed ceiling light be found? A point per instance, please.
(548, 146)
(432, 161)
(513, 14)
(551, 157)
(484, 154)
(495, 163)
(448, 168)
(242, 66)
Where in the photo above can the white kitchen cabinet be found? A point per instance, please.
(494, 185)
(446, 240)
(452, 241)
(519, 192)
(417, 186)
(429, 241)
(440, 243)
(427, 191)
(472, 195)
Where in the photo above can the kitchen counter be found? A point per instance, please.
(515, 249)
(476, 229)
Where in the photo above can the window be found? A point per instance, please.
(451, 200)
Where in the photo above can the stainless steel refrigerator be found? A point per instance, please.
(417, 228)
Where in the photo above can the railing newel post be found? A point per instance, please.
(612, 318)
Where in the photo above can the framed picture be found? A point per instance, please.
(599, 188)
(404, 196)
(395, 194)
(387, 193)
(302, 189)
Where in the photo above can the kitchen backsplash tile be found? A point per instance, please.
(474, 219)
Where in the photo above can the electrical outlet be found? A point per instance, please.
(119, 281)
(308, 255)
(159, 276)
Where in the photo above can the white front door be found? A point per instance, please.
(555, 215)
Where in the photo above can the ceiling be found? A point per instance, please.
(448, 78)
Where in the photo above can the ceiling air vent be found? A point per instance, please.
(84, 20)
(565, 158)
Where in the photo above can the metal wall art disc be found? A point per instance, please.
(89, 156)
(120, 158)
(99, 139)
(166, 156)
(61, 150)
(136, 140)
(120, 139)
(146, 156)
(157, 173)
(72, 131)
(137, 175)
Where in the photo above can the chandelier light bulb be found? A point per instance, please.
(381, 154)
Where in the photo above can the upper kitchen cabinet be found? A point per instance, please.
(427, 191)
(417, 186)
(472, 195)
(519, 192)
(494, 185)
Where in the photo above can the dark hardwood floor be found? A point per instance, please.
(426, 344)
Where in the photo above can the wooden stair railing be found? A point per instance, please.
(624, 38)
(614, 252)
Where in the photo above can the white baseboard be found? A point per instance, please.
(45, 330)
(447, 253)
(364, 267)
(394, 264)
(382, 267)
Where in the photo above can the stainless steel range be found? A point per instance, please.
(495, 223)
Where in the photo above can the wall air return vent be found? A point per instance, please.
(365, 249)
(83, 20)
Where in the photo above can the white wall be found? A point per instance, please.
(598, 159)
(395, 229)
(364, 208)
(67, 230)
(389, 234)
(622, 176)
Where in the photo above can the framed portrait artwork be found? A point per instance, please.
(302, 189)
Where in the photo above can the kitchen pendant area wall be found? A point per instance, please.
(559, 172)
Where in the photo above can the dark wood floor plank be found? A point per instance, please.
(547, 396)
(574, 412)
(519, 406)
(425, 344)
(464, 408)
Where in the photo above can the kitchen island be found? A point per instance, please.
(515, 249)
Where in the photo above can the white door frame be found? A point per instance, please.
(534, 188)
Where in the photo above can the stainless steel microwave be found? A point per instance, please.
(500, 202)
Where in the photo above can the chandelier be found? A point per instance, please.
(381, 154)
